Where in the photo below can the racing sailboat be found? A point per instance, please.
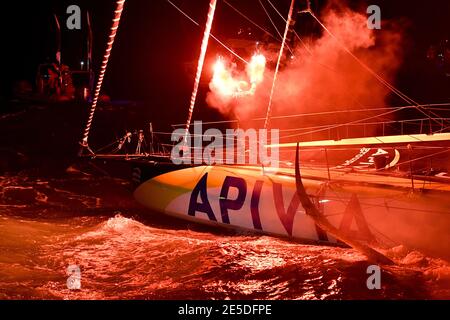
(367, 192)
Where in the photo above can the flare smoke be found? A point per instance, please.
(322, 77)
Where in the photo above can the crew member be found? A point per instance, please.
(141, 147)
(125, 143)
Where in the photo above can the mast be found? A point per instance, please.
(115, 25)
(280, 55)
(201, 61)
(291, 34)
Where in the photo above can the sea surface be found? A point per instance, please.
(57, 218)
(124, 251)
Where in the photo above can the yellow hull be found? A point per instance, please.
(369, 207)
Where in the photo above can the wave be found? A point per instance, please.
(123, 258)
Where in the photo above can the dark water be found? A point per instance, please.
(126, 252)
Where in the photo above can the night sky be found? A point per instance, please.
(156, 46)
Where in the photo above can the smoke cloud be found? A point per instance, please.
(323, 77)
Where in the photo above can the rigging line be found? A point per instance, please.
(417, 159)
(280, 55)
(274, 25)
(296, 34)
(201, 61)
(332, 112)
(116, 21)
(443, 129)
(251, 21)
(211, 35)
(343, 124)
(303, 115)
(227, 137)
(304, 44)
(411, 122)
(108, 145)
(309, 114)
(270, 19)
(379, 78)
(389, 86)
(439, 109)
(373, 73)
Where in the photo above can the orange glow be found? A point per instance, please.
(223, 80)
(225, 84)
(256, 68)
